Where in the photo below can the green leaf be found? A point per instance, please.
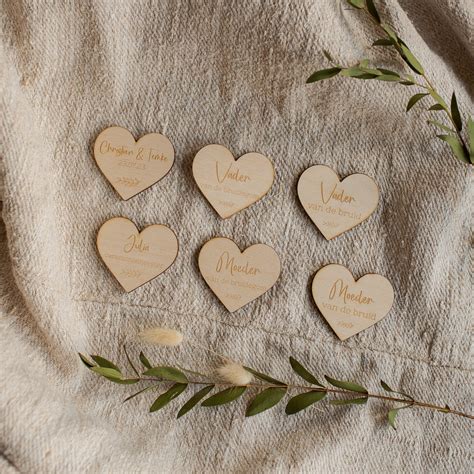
(194, 400)
(85, 361)
(456, 147)
(455, 113)
(388, 389)
(303, 401)
(436, 107)
(350, 401)
(323, 74)
(367, 76)
(265, 400)
(383, 42)
(440, 125)
(140, 391)
(144, 360)
(167, 373)
(392, 415)
(439, 99)
(470, 130)
(390, 32)
(303, 372)
(372, 10)
(415, 99)
(130, 360)
(356, 72)
(225, 396)
(264, 377)
(327, 56)
(407, 83)
(387, 72)
(388, 78)
(101, 362)
(359, 73)
(351, 386)
(107, 372)
(373, 71)
(175, 391)
(357, 3)
(113, 375)
(410, 58)
(364, 63)
(123, 381)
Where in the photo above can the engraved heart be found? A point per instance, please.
(236, 277)
(133, 257)
(351, 306)
(336, 206)
(231, 185)
(130, 166)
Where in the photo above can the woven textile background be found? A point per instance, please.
(229, 72)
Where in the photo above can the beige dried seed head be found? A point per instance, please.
(161, 336)
(234, 373)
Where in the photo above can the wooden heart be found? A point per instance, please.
(130, 166)
(133, 257)
(231, 185)
(351, 306)
(336, 206)
(238, 277)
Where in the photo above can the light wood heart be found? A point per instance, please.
(238, 277)
(231, 185)
(133, 257)
(351, 306)
(130, 166)
(336, 206)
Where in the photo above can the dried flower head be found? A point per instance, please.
(161, 336)
(234, 373)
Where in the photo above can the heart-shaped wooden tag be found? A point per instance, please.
(351, 306)
(133, 257)
(336, 206)
(130, 166)
(238, 277)
(231, 185)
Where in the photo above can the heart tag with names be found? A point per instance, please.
(236, 277)
(333, 205)
(228, 184)
(134, 257)
(351, 306)
(130, 166)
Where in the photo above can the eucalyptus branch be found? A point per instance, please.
(233, 380)
(363, 70)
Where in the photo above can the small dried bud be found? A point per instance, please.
(234, 373)
(161, 336)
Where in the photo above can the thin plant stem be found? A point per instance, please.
(309, 388)
(429, 87)
(407, 400)
(448, 113)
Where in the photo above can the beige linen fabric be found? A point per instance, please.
(229, 72)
